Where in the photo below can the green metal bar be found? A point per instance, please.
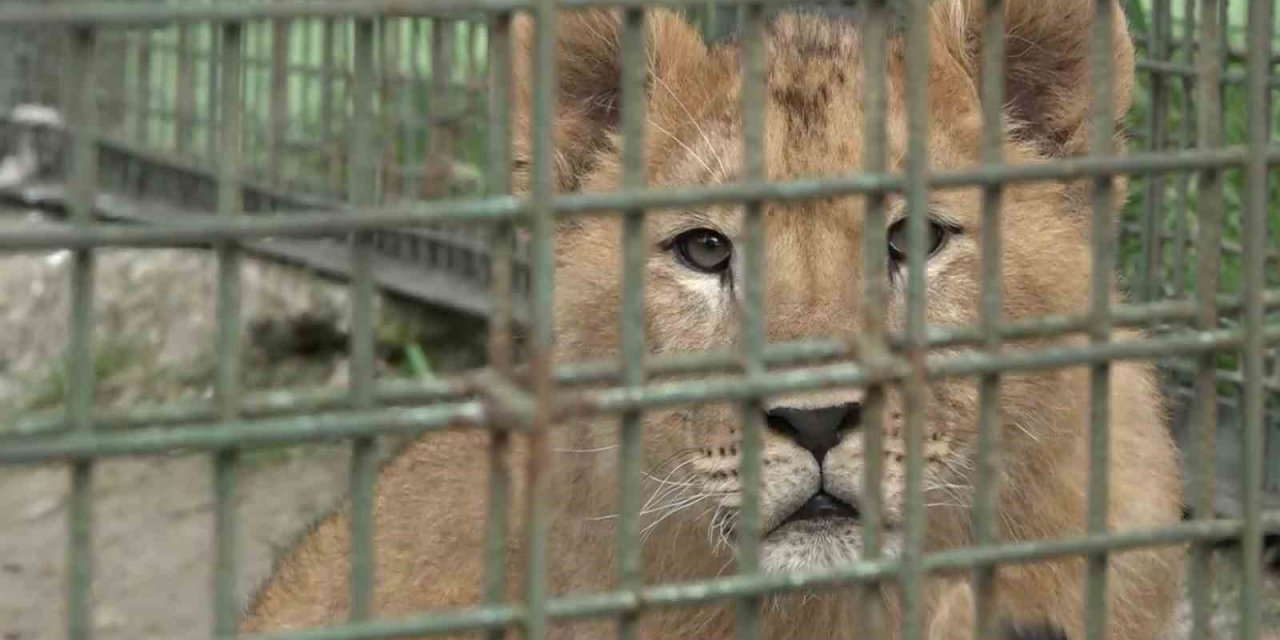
(328, 108)
(257, 405)
(1260, 41)
(915, 390)
(985, 504)
(1102, 82)
(964, 364)
(720, 389)
(1178, 69)
(80, 358)
(363, 451)
(389, 177)
(291, 401)
(185, 99)
(737, 586)
(118, 13)
(243, 434)
(1185, 133)
(634, 254)
(426, 40)
(752, 325)
(278, 100)
(501, 353)
(225, 604)
(312, 84)
(1149, 272)
(875, 297)
(414, 149)
(143, 99)
(317, 223)
(1204, 405)
(542, 338)
(212, 135)
(440, 151)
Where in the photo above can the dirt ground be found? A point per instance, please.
(153, 544)
(152, 517)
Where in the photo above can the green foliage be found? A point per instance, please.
(1177, 213)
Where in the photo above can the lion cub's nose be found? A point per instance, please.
(817, 430)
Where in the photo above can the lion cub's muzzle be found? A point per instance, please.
(818, 431)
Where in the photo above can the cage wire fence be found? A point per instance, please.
(385, 122)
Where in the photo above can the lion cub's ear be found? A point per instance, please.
(589, 68)
(1047, 75)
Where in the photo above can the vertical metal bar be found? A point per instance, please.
(542, 267)
(915, 391)
(634, 252)
(362, 348)
(985, 503)
(225, 604)
(710, 23)
(278, 106)
(753, 324)
(212, 111)
(440, 153)
(1261, 24)
(1204, 407)
(1149, 275)
(142, 90)
(430, 113)
(500, 323)
(184, 122)
(1103, 238)
(315, 91)
(258, 93)
(475, 71)
(328, 84)
(80, 365)
(391, 174)
(412, 155)
(11, 73)
(1179, 232)
(875, 292)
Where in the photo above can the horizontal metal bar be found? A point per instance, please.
(1177, 69)
(242, 434)
(773, 383)
(799, 190)
(715, 589)
(786, 353)
(310, 224)
(122, 14)
(302, 224)
(203, 436)
(268, 404)
(391, 392)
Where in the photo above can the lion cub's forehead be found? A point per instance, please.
(814, 112)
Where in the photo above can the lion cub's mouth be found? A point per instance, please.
(822, 506)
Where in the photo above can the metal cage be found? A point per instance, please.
(370, 140)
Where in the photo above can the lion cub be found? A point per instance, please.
(430, 501)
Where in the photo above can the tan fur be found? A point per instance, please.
(430, 508)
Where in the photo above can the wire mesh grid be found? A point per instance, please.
(380, 111)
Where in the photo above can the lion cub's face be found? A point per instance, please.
(813, 487)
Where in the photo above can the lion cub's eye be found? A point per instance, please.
(703, 250)
(936, 237)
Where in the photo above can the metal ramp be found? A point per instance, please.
(443, 267)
